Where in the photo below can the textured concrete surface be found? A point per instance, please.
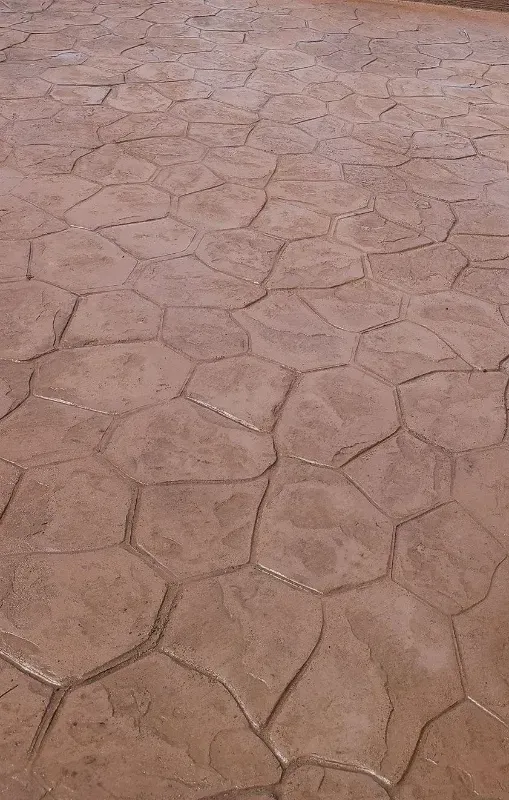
(254, 339)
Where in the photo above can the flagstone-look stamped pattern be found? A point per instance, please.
(254, 358)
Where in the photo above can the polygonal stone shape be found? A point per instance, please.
(272, 137)
(426, 269)
(153, 239)
(79, 505)
(227, 206)
(472, 327)
(41, 431)
(9, 475)
(111, 317)
(183, 441)
(20, 220)
(385, 666)
(14, 256)
(182, 179)
(333, 198)
(429, 217)
(291, 220)
(243, 253)
(187, 282)
(334, 414)
(356, 306)
(446, 558)
(242, 165)
(283, 328)
(252, 631)
(23, 701)
(169, 519)
(14, 384)
(67, 614)
(318, 530)
(465, 748)
(482, 633)
(195, 741)
(32, 316)
(404, 350)
(491, 283)
(80, 260)
(111, 164)
(204, 333)
(291, 108)
(319, 783)
(162, 150)
(120, 205)
(372, 233)
(402, 475)
(315, 263)
(481, 485)
(246, 389)
(456, 410)
(112, 378)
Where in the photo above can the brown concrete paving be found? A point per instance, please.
(254, 337)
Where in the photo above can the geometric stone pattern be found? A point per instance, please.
(254, 357)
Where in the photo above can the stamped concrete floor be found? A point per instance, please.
(254, 341)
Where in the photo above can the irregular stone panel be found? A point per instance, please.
(152, 239)
(79, 505)
(385, 666)
(327, 197)
(243, 253)
(446, 558)
(371, 233)
(32, 316)
(23, 701)
(426, 269)
(402, 475)
(335, 414)
(115, 205)
(13, 259)
(204, 333)
(111, 164)
(472, 327)
(183, 441)
(9, 475)
(318, 530)
(482, 633)
(315, 263)
(80, 260)
(154, 729)
(252, 631)
(404, 350)
(462, 754)
(481, 485)
(456, 410)
(187, 282)
(41, 431)
(355, 307)
(291, 220)
(112, 378)
(320, 783)
(97, 604)
(242, 165)
(111, 317)
(20, 220)
(228, 206)
(195, 529)
(487, 284)
(14, 384)
(246, 389)
(282, 328)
